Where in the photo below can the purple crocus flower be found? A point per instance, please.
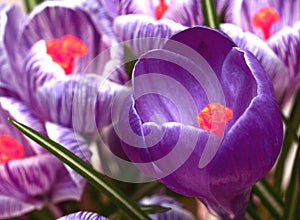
(269, 29)
(83, 216)
(47, 55)
(30, 177)
(202, 118)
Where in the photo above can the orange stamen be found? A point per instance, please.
(264, 19)
(160, 9)
(65, 51)
(213, 117)
(10, 149)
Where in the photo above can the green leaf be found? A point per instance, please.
(211, 18)
(292, 196)
(152, 209)
(86, 171)
(292, 125)
(269, 198)
(30, 4)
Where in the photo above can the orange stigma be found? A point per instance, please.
(264, 19)
(10, 149)
(65, 51)
(213, 117)
(160, 9)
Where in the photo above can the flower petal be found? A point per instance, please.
(19, 111)
(29, 178)
(13, 207)
(79, 102)
(142, 33)
(83, 216)
(185, 12)
(273, 64)
(124, 7)
(202, 40)
(51, 20)
(74, 143)
(286, 45)
(177, 210)
(228, 184)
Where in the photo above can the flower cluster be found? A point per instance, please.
(146, 92)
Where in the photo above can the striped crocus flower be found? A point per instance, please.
(47, 54)
(30, 177)
(270, 30)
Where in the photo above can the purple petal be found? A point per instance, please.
(52, 20)
(262, 120)
(79, 102)
(124, 7)
(185, 12)
(142, 33)
(11, 18)
(273, 65)
(20, 112)
(286, 45)
(103, 21)
(74, 143)
(177, 87)
(13, 207)
(205, 41)
(177, 210)
(29, 178)
(83, 216)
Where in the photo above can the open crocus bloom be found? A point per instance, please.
(269, 29)
(30, 177)
(47, 53)
(203, 119)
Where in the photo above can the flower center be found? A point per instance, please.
(10, 149)
(213, 117)
(65, 51)
(160, 9)
(264, 19)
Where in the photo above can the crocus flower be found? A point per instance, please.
(177, 211)
(48, 52)
(269, 29)
(30, 177)
(83, 216)
(202, 118)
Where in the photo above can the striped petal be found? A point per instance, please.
(13, 207)
(81, 102)
(83, 216)
(286, 45)
(143, 33)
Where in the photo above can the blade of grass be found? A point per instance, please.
(90, 174)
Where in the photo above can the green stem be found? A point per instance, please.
(86, 171)
(211, 18)
(292, 125)
(292, 195)
(268, 199)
